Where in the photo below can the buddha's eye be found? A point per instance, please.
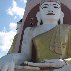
(44, 7)
(55, 7)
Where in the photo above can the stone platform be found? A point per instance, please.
(29, 70)
(21, 68)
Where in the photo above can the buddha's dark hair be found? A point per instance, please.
(41, 22)
(59, 22)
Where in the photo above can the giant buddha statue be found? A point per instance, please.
(50, 39)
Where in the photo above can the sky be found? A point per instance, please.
(11, 11)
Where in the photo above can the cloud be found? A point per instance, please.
(2, 53)
(15, 10)
(15, 17)
(25, 1)
(6, 39)
(13, 26)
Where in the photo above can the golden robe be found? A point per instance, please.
(53, 44)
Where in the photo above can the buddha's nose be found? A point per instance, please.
(50, 11)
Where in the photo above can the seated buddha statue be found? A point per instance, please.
(49, 23)
(50, 37)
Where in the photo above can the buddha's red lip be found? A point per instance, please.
(50, 14)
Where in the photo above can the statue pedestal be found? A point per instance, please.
(28, 70)
(22, 70)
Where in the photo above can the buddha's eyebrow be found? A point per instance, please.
(45, 4)
(54, 4)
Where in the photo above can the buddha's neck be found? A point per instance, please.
(50, 22)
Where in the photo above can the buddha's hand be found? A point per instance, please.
(55, 62)
(7, 63)
(68, 61)
(10, 60)
(64, 68)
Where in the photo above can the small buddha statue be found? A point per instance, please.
(48, 38)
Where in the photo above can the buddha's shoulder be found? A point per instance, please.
(29, 29)
(32, 28)
(64, 26)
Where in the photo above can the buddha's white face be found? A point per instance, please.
(50, 11)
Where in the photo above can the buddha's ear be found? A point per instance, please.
(61, 17)
(38, 18)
